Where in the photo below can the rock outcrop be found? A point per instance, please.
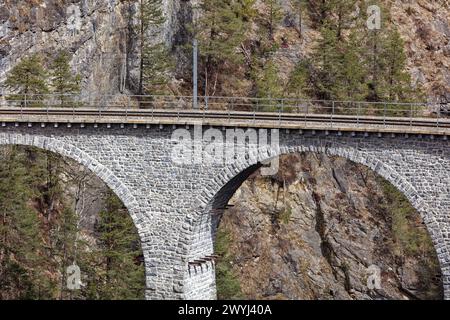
(425, 27)
(321, 229)
(99, 35)
(93, 31)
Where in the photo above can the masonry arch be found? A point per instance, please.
(70, 151)
(104, 174)
(228, 181)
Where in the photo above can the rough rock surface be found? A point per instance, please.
(104, 49)
(93, 31)
(316, 231)
(425, 27)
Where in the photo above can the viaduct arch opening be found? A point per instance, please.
(230, 179)
(114, 185)
(66, 150)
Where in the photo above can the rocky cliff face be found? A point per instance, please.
(98, 34)
(321, 229)
(93, 31)
(425, 27)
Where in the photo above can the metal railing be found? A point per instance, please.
(357, 110)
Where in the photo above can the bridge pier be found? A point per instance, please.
(417, 167)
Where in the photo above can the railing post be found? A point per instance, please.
(306, 111)
(438, 116)
(255, 110)
(229, 109)
(332, 112)
(281, 111)
(153, 111)
(411, 114)
(359, 113)
(204, 108)
(384, 114)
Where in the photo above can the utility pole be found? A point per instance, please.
(195, 74)
(194, 57)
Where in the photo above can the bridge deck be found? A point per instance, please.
(428, 126)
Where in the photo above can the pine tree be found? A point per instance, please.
(327, 60)
(272, 15)
(374, 56)
(389, 80)
(22, 243)
(228, 286)
(353, 69)
(396, 80)
(298, 86)
(341, 15)
(385, 57)
(155, 61)
(376, 64)
(318, 11)
(300, 7)
(45, 179)
(338, 15)
(40, 236)
(60, 223)
(28, 81)
(67, 246)
(246, 10)
(220, 31)
(269, 87)
(64, 83)
(119, 245)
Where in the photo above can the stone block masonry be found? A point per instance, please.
(176, 206)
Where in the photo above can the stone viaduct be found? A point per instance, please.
(176, 206)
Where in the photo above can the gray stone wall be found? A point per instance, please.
(176, 207)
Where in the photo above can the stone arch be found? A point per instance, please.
(70, 151)
(232, 176)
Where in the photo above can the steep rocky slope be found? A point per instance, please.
(319, 228)
(425, 27)
(99, 34)
(93, 31)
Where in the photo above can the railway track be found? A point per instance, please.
(68, 114)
